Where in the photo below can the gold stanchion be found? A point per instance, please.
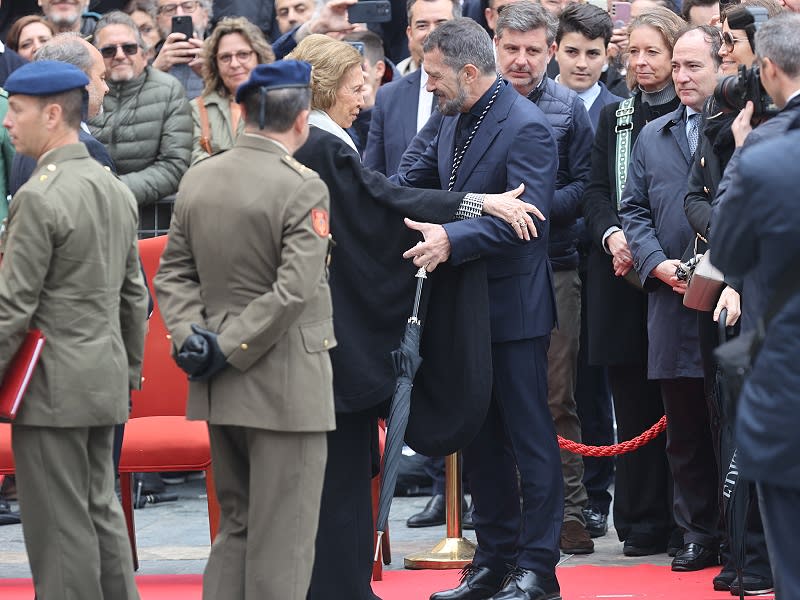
(455, 551)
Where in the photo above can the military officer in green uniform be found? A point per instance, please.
(243, 291)
(70, 268)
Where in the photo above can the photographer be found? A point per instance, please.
(714, 151)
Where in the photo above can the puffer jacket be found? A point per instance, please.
(567, 114)
(146, 124)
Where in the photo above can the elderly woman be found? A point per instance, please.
(372, 292)
(229, 54)
(617, 311)
(28, 34)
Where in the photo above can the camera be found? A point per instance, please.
(733, 92)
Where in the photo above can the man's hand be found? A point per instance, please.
(177, 50)
(665, 271)
(731, 300)
(331, 20)
(618, 43)
(622, 258)
(741, 126)
(434, 250)
(513, 211)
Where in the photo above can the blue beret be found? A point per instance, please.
(280, 74)
(45, 78)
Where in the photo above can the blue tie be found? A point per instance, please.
(693, 132)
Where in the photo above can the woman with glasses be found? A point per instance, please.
(229, 54)
(717, 143)
(617, 311)
(28, 34)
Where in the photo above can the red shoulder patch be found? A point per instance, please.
(319, 221)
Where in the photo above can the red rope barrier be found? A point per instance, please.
(621, 448)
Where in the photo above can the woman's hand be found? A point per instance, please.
(731, 300)
(513, 211)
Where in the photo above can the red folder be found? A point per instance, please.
(18, 374)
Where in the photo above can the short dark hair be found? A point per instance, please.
(281, 107)
(711, 35)
(588, 20)
(526, 16)
(373, 45)
(411, 3)
(688, 5)
(72, 105)
(462, 41)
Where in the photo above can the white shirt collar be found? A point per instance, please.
(796, 93)
(321, 119)
(2, 47)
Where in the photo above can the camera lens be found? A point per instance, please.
(729, 94)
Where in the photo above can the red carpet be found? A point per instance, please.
(577, 583)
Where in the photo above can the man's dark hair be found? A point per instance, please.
(463, 42)
(373, 45)
(711, 35)
(588, 20)
(71, 103)
(411, 3)
(281, 107)
(688, 5)
(526, 16)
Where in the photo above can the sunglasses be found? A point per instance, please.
(729, 40)
(111, 51)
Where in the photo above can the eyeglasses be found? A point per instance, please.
(729, 40)
(111, 51)
(170, 10)
(241, 57)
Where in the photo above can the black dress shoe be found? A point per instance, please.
(522, 584)
(642, 545)
(596, 522)
(694, 557)
(754, 585)
(477, 583)
(722, 582)
(432, 514)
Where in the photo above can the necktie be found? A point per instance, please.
(693, 132)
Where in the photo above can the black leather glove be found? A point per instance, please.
(215, 360)
(194, 355)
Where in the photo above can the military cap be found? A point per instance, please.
(45, 78)
(277, 75)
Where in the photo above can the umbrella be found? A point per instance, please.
(735, 492)
(406, 362)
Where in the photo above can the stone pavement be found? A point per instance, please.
(173, 538)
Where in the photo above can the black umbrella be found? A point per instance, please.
(735, 492)
(406, 363)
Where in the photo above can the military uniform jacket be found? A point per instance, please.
(246, 259)
(71, 268)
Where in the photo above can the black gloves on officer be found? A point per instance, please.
(200, 356)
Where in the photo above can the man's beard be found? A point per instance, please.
(450, 108)
(63, 20)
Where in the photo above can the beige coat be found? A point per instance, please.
(244, 260)
(219, 125)
(71, 268)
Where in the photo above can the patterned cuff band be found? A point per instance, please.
(471, 207)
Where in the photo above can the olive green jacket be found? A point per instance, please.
(219, 125)
(6, 156)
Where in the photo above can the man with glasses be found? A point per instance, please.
(178, 55)
(146, 122)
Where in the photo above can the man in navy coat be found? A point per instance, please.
(493, 139)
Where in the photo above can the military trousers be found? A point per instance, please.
(269, 485)
(73, 524)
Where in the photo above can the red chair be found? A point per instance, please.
(158, 438)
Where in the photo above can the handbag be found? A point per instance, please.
(736, 357)
(704, 282)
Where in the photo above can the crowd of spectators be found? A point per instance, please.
(638, 129)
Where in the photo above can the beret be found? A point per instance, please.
(276, 75)
(45, 78)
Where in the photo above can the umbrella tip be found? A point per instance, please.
(378, 546)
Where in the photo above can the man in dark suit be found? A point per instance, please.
(402, 107)
(479, 146)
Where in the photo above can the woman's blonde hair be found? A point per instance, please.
(330, 60)
(227, 26)
(663, 20)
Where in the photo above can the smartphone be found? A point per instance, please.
(620, 13)
(183, 24)
(370, 11)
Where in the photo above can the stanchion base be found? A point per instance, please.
(450, 553)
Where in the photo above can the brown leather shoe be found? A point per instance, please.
(575, 539)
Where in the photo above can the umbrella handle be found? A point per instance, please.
(421, 276)
(722, 325)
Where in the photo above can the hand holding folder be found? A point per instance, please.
(18, 374)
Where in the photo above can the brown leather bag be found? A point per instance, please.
(205, 127)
